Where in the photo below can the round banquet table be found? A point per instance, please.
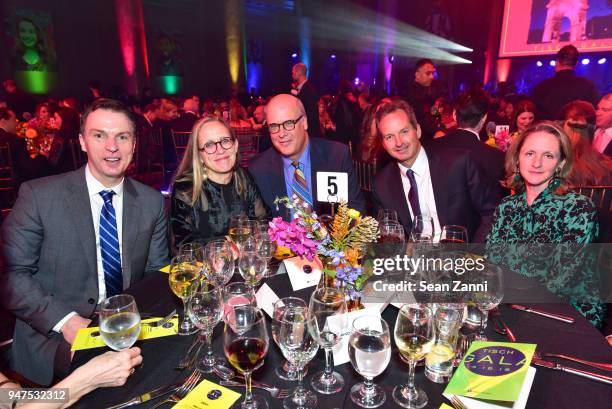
(551, 389)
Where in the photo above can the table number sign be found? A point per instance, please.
(332, 187)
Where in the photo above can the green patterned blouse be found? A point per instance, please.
(540, 241)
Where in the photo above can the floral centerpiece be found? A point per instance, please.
(340, 245)
(501, 140)
(38, 134)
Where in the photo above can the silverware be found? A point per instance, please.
(505, 329)
(558, 317)
(273, 390)
(599, 365)
(585, 374)
(456, 402)
(145, 397)
(161, 322)
(181, 392)
(189, 358)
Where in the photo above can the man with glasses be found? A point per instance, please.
(291, 165)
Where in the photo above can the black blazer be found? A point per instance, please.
(325, 156)
(463, 195)
(490, 159)
(185, 122)
(310, 99)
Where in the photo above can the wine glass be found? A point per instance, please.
(287, 371)
(387, 215)
(453, 234)
(370, 353)
(205, 308)
(183, 279)
(220, 262)
(236, 295)
(299, 347)
(195, 251)
(326, 302)
(490, 291)
(241, 230)
(245, 343)
(252, 266)
(391, 233)
(413, 337)
(422, 225)
(119, 321)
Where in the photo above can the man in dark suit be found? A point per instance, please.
(145, 128)
(74, 239)
(188, 118)
(553, 93)
(291, 165)
(307, 93)
(602, 140)
(24, 167)
(471, 114)
(442, 183)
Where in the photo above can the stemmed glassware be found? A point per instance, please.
(183, 279)
(299, 347)
(422, 226)
(387, 215)
(287, 371)
(391, 233)
(220, 262)
(325, 303)
(245, 343)
(370, 353)
(242, 231)
(453, 234)
(252, 266)
(235, 295)
(488, 296)
(266, 246)
(413, 337)
(119, 321)
(205, 309)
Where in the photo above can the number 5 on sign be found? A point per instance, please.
(332, 187)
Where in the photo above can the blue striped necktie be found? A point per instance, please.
(299, 184)
(109, 246)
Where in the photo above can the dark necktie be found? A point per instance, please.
(413, 194)
(109, 246)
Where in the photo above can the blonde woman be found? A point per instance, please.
(210, 187)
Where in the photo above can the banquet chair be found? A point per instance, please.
(602, 198)
(365, 173)
(180, 141)
(248, 144)
(79, 158)
(7, 177)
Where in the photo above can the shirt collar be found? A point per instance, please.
(94, 187)
(303, 159)
(420, 165)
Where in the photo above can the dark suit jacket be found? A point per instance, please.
(325, 156)
(49, 263)
(185, 122)
(463, 195)
(491, 160)
(310, 99)
(551, 94)
(24, 167)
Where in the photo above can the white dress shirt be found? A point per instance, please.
(601, 139)
(94, 187)
(427, 201)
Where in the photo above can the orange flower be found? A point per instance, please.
(31, 133)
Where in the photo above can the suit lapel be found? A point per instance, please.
(129, 231)
(79, 205)
(438, 182)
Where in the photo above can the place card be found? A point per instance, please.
(303, 273)
(165, 269)
(340, 350)
(208, 395)
(88, 338)
(266, 297)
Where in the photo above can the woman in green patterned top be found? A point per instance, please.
(536, 230)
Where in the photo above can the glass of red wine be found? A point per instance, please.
(245, 343)
(453, 234)
(391, 233)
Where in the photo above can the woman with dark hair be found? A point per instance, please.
(371, 149)
(210, 187)
(591, 168)
(544, 212)
(523, 116)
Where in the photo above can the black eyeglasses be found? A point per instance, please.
(287, 125)
(211, 147)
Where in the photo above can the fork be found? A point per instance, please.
(189, 359)
(162, 321)
(181, 392)
(457, 404)
(273, 390)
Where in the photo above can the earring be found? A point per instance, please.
(517, 175)
(555, 182)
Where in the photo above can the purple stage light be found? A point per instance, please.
(333, 56)
(356, 81)
(552, 63)
(602, 61)
(585, 61)
(294, 55)
(539, 63)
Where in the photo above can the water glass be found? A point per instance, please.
(237, 294)
(205, 309)
(422, 225)
(252, 266)
(489, 293)
(287, 371)
(370, 353)
(119, 321)
(387, 215)
(439, 360)
(220, 260)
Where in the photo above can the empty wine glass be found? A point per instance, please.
(183, 279)
(413, 336)
(370, 353)
(490, 291)
(453, 234)
(299, 347)
(245, 343)
(287, 371)
(387, 215)
(220, 262)
(119, 321)
(422, 225)
(235, 295)
(205, 308)
(326, 302)
(252, 266)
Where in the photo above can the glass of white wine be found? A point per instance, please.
(184, 279)
(413, 337)
(119, 321)
(253, 266)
